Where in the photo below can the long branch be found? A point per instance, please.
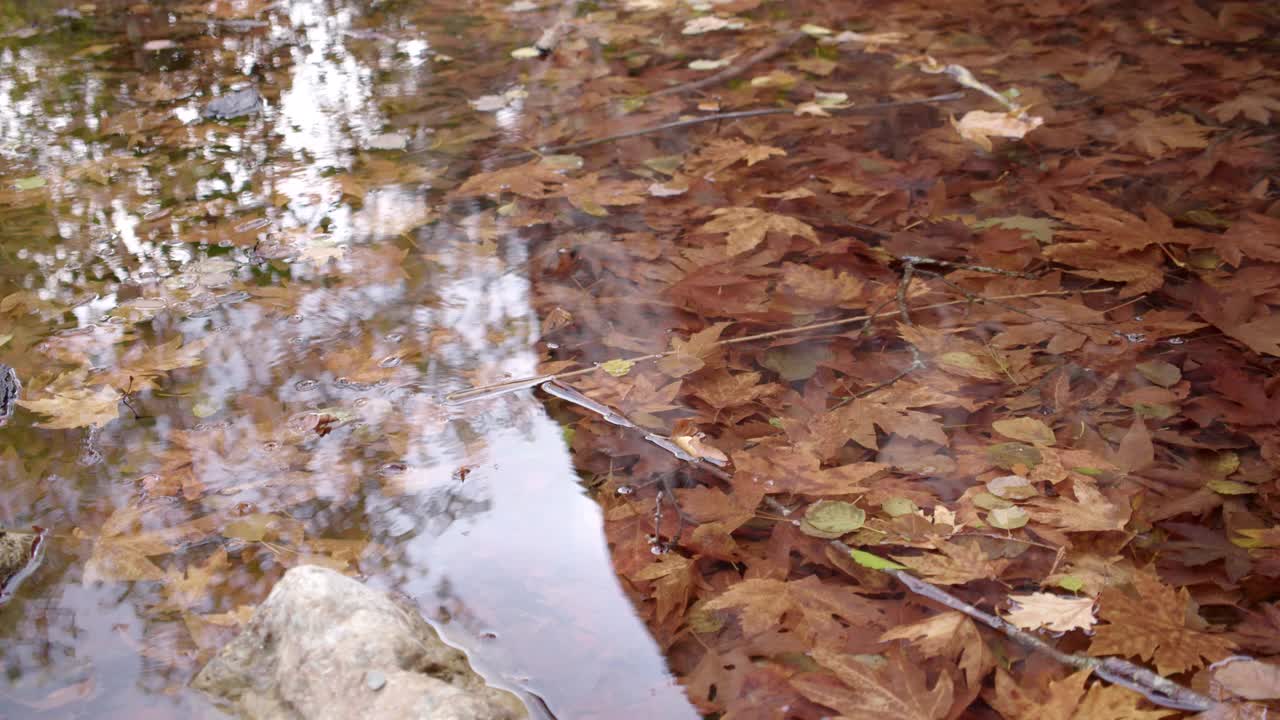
(1156, 688)
(482, 392)
(736, 115)
(732, 72)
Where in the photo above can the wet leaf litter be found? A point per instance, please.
(849, 349)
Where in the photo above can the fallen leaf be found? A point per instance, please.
(81, 407)
(1028, 430)
(979, 126)
(747, 227)
(1055, 613)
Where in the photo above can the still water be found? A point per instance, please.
(242, 329)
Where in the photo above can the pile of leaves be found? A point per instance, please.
(1033, 365)
(1019, 347)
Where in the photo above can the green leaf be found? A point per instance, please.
(617, 367)
(1071, 582)
(875, 562)
(29, 183)
(1230, 487)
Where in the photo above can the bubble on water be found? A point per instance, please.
(658, 549)
(296, 318)
(1135, 337)
(360, 402)
(297, 340)
(389, 361)
(271, 446)
(1176, 340)
(553, 346)
(395, 337)
(625, 490)
(305, 385)
(392, 468)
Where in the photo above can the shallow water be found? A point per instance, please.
(281, 305)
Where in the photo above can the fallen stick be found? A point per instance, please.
(1155, 688)
(729, 73)
(736, 115)
(483, 392)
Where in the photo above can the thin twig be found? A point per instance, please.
(737, 115)
(490, 390)
(729, 73)
(1159, 690)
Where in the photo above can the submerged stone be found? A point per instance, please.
(236, 104)
(325, 646)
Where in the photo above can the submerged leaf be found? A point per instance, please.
(832, 518)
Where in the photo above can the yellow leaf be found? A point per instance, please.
(617, 367)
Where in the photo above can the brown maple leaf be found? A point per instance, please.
(958, 563)
(1090, 511)
(690, 355)
(868, 691)
(820, 289)
(1151, 622)
(1256, 236)
(1256, 107)
(532, 180)
(1157, 135)
(1067, 699)
(720, 154)
(73, 408)
(747, 226)
(590, 195)
(951, 635)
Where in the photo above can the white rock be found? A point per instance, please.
(322, 646)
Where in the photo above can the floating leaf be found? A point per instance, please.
(81, 407)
